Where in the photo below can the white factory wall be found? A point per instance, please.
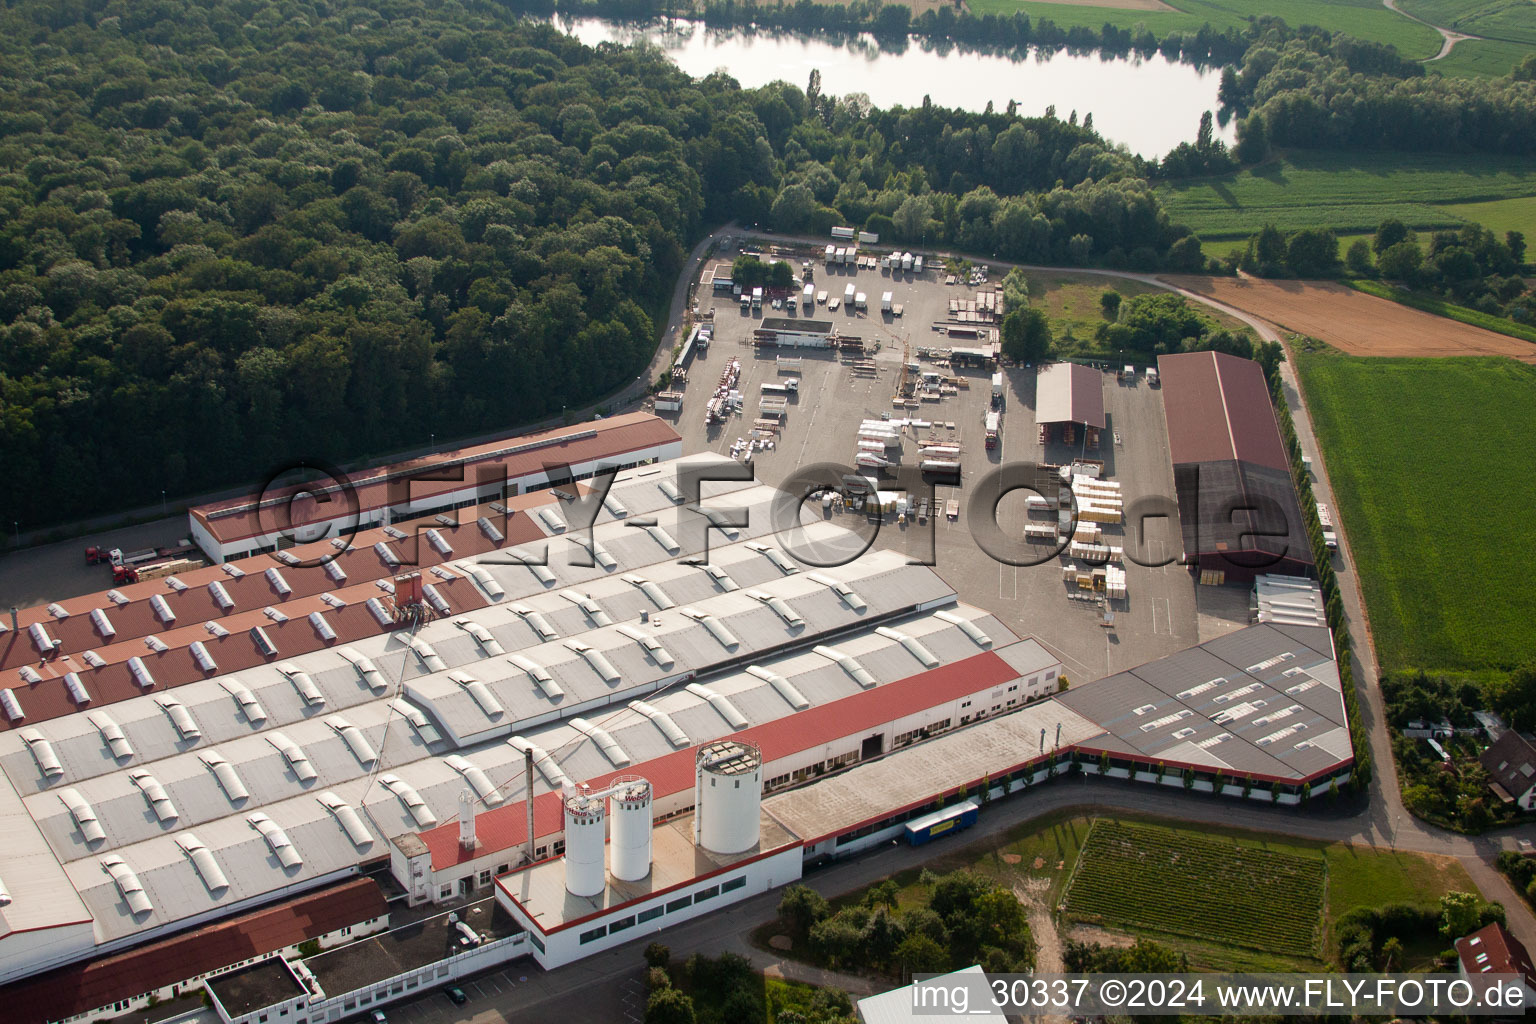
(336, 1005)
(348, 933)
(566, 946)
(26, 953)
(276, 1011)
(414, 873)
(444, 884)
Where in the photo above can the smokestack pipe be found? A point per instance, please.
(528, 798)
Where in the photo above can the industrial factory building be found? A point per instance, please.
(1069, 397)
(1237, 503)
(598, 726)
(440, 483)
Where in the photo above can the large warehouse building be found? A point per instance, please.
(438, 484)
(224, 753)
(1237, 502)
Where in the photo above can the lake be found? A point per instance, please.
(1150, 105)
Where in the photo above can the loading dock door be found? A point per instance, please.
(874, 746)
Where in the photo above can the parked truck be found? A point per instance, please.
(115, 557)
(885, 302)
(860, 302)
(953, 819)
(994, 428)
(1325, 518)
(848, 294)
(997, 390)
(846, 234)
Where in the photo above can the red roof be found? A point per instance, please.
(79, 988)
(614, 437)
(1492, 950)
(114, 682)
(253, 591)
(1218, 410)
(505, 827)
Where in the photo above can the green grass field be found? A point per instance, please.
(1041, 855)
(1354, 192)
(1222, 246)
(1204, 888)
(1501, 215)
(1366, 19)
(1511, 21)
(1481, 58)
(1431, 465)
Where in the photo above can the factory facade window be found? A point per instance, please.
(594, 934)
(485, 877)
(445, 892)
(538, 944)
(731, 884)
(707, 893)
(650, 914)
(681, 903)
(622, 923)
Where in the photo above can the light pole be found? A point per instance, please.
(17, 527)
(163, 511)
(433, 443)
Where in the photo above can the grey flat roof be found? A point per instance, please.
(1263, 700)
(795, 324)
(261, 984)
(405, 948)
(355, 732)
(911, 775)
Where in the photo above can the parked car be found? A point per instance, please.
(456, 994)
(377, 1017)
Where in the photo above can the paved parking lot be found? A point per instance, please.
(1160, 615)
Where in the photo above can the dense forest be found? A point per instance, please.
(247, 231)
(243, 232)
(1297, 94)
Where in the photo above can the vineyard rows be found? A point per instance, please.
(1204, 887)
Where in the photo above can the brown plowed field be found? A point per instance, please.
(1352, 321)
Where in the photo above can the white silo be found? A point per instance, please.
(467, 840)
(584, 833)
(728, 787)
(630, 808)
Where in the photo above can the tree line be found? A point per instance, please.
(1470, 266)
(238, 234)
(1308, 96)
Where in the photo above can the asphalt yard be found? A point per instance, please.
(1159, 615)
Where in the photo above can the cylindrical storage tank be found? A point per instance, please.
(730, 787)
(584, 834)
(629, 804)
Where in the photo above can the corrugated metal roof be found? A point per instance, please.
(1218, 410)
(673, 772)
(1069, 393)
(79, 988)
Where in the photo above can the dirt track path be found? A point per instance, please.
(1448, 38)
